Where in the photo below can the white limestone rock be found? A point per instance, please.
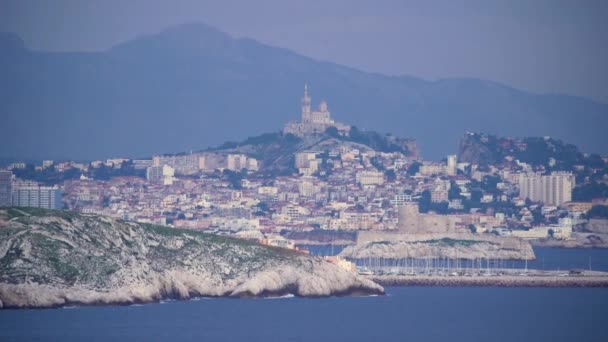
(57, 258)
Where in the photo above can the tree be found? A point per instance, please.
(454, 192)
(472, 228)
(262, 209)
(537, 216)
(476, 196)
(590, 191)
(332, 131)
(424, 202)
(377, 163)
(234, 178)
(551, 232)
(489, 184)
(263, 206)
(440, 208)
(47, 176)
(390, 175)
(386, 204)
(414, 168)
(598, 211)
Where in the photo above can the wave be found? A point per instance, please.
(196, 299)
(289, 295)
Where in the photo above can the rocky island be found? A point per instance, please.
(438, 245)
(56, 258)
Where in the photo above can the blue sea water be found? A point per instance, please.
(570, 258)
(404, 314)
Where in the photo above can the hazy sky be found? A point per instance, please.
(543, 46)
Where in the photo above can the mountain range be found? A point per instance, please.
(191, 86)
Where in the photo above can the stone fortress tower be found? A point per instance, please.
(410, 221)
(409, 217)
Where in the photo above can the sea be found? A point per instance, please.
(403, 314)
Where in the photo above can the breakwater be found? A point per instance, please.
(541, 279)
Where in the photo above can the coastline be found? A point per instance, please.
(112, 299)
(566, 245)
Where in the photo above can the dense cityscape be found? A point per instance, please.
(337, 178)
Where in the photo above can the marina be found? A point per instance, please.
(552, 267)
(459, 272)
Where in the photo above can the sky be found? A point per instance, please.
(541, 46)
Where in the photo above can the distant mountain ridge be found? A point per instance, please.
(192, 86)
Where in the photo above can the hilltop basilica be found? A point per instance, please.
(314, 122)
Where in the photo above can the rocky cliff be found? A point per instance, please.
(477, 148)
(56, 258)
(452, 246)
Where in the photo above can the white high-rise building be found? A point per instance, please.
(142, 164)
(6, 179)
(553, 189)
(252, 164)
(369, 178)
(160, 174)
(530, 186)
(558, 187)
(30, 194)
(452, 165)
(182, 164)
(236, 162)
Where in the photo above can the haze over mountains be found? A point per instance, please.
(191, 86)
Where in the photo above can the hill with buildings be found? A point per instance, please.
(543, 159)
(277, 152)
(57, 258)
(545, 152)
(191, 86)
